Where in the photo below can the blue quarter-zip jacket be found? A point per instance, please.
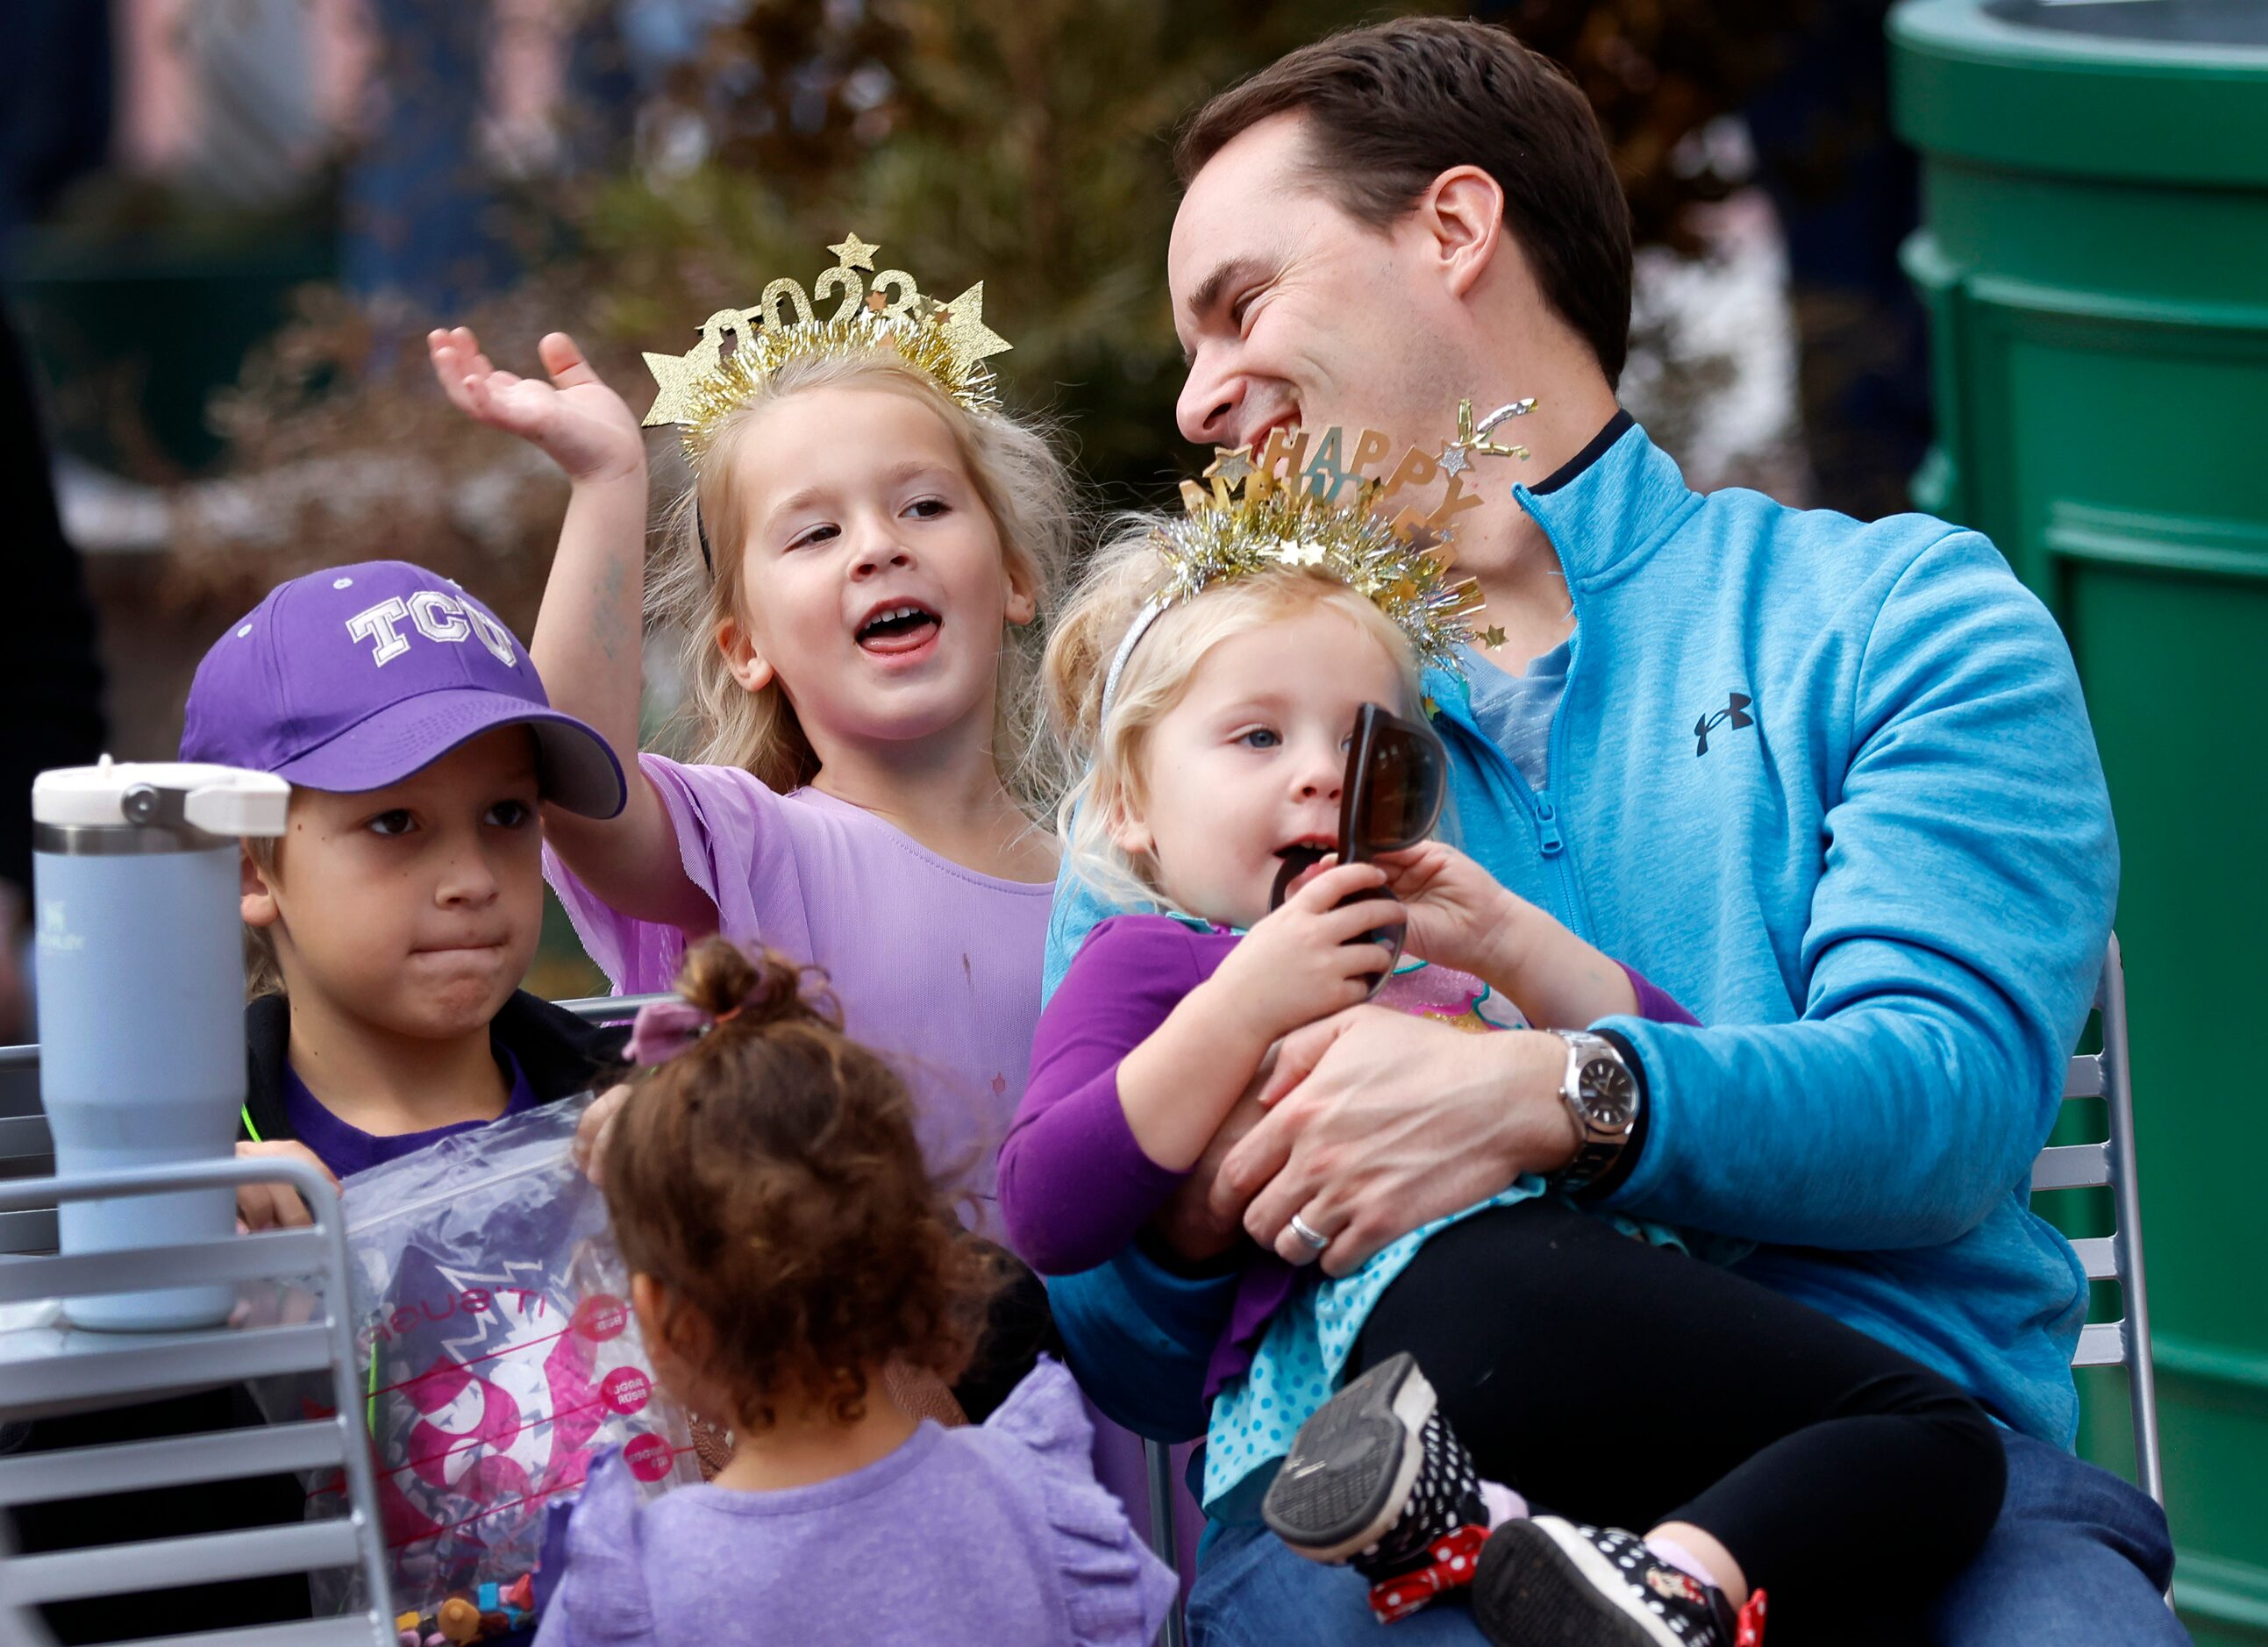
(1832, 786)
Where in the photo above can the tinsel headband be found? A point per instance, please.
(948, 342)
(1285, 507)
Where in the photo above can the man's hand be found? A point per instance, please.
(575, 420)
(1378, 1122)
(275, 1206)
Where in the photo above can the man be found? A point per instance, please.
(1831, 784)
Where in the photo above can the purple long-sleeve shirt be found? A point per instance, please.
(1075, 1187)
(988, 1534)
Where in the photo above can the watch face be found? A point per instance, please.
(1609, 1096)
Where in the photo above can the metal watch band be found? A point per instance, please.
(1603, 1128)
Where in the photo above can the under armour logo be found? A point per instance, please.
(1735, 714)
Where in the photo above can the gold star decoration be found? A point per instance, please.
(854, 253)
(1492, 638)
(961, 324)
(677, 377)
(673, 377)
(1293, 553)
(1229, 464)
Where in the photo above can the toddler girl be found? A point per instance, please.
(1215, 666)
(857, 569)
(786, 1246)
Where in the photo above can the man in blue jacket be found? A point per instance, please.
(1830, 783)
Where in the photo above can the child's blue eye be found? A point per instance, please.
(394, 823)
(928, 508)
(510, 814)
(1260, 738)
(817, 534)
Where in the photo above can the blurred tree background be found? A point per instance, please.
(1024, 142)
(620, 169)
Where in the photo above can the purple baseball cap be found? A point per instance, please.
(353, 678)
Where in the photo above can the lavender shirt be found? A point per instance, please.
(976, 1536)
(1075, 1187)
(936, 966)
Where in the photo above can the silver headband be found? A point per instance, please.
(1135, 631)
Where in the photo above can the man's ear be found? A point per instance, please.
(747, 665)
(256, 892)
(1463, 212)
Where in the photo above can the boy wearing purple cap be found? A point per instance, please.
(392, 924)
(390, 929)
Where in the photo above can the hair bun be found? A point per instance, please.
(721, 978)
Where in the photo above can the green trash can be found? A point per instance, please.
(2094, 262)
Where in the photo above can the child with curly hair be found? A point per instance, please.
(789, 1250)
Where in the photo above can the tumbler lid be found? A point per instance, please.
(225, 801)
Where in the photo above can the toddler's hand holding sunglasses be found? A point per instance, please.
(1396, 776)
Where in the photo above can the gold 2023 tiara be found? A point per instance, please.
(949, 341)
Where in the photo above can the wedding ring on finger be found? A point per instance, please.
(1300, 1228)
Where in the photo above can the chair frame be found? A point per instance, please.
(120, 1367)
(2117, 1256)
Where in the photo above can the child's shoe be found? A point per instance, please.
(1549, 1581)
(1377, 1481)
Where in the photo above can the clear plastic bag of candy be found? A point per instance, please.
(493, 1318)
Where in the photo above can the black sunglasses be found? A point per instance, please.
(1396, 779)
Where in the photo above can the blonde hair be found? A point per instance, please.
(1125, 576)
(1025, 487)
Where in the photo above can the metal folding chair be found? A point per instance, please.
(2116, 1256)
(610, 1009)
(50, 1368)
(25, 1151)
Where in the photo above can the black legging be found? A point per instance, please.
(1628, 1384)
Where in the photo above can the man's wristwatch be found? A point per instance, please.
(1601, 1096)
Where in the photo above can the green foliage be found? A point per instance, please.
(1023, 143)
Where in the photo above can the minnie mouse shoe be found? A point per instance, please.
(1546, 1581)
(1377, 1480)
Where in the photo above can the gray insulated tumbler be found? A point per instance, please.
(139, 951)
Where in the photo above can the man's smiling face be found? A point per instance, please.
(1290, 311)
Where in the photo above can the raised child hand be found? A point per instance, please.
(1459, 915)
(575, 420)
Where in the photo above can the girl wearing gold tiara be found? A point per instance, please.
(858, 571)
(1214, 670)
